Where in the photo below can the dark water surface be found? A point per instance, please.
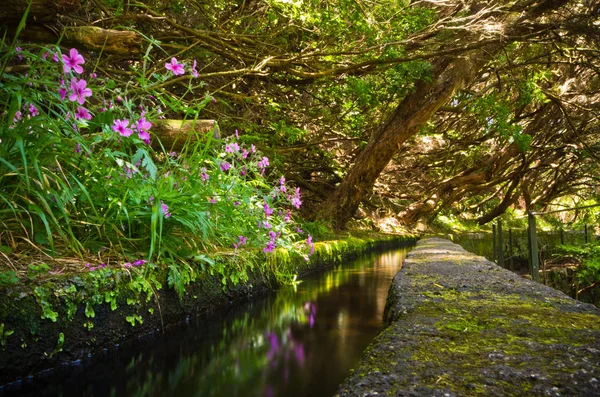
(298, 341)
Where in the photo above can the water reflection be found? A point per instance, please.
(299, 341)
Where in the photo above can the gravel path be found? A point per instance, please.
(459, 325)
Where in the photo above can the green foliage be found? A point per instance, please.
(4, 334)
(589, 256)
(33, 270)
(8, 277)
(79, 184)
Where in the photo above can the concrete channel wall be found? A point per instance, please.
(459, 325)
(32, 344)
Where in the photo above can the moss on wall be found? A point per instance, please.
(67, 317)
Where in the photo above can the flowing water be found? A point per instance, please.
(297, 341)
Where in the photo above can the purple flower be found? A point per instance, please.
(55, 57)
(139, 262)
(79, 91)
(236, 203)
(77, 148)
(232, 147)
(121, 126)
(244, 153)
(204, 175)
(175, 67)
(73, 61)
(144, 136)
(243, 240)
(63, 93)
(33, 111)
(296, 202)
(264, 224)
(270, 246)
(253, 149)
(268, 210)
(142, 126)
(310, 244)
(165, 209)
(194, 71)
(213, 200)
(272, 235)
(18, 116)
(225, 166)
(263, 164)
(82, 113)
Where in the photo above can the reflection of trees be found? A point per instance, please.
(254, 347)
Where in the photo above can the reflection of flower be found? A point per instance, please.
(274, 346)
(311, 310)
(299, 353)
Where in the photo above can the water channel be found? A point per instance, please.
(298, 341)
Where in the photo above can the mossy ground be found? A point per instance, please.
(462, 326)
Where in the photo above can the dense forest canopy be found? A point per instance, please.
(401, 108)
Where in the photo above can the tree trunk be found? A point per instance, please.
(414, 111)
(41, 11)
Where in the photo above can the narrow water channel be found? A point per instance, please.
(297, 341)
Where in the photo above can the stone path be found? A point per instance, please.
(459, 325)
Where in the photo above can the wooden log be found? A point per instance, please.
(109, 41)
(41, 11)
(173, 134)
(92, 38)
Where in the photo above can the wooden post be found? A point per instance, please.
(562, 236)
(511, 263)
(500, 245)
(493, 243)
(533, 248)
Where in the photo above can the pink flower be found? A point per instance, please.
(63, 93)
(264, 163)
(165, 209)
(194, 71)
(268, 210)
(142, 126)
(270, 246)
(121, 126)
(79, 91)
(175, 67)
(232, 147)
(73, 61)
(144, 136)
(82, 113)
(225, 166)
(33, 111)
(204, 175)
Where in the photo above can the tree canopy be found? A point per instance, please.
(407, 108)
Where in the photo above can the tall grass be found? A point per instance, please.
(76, 180)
